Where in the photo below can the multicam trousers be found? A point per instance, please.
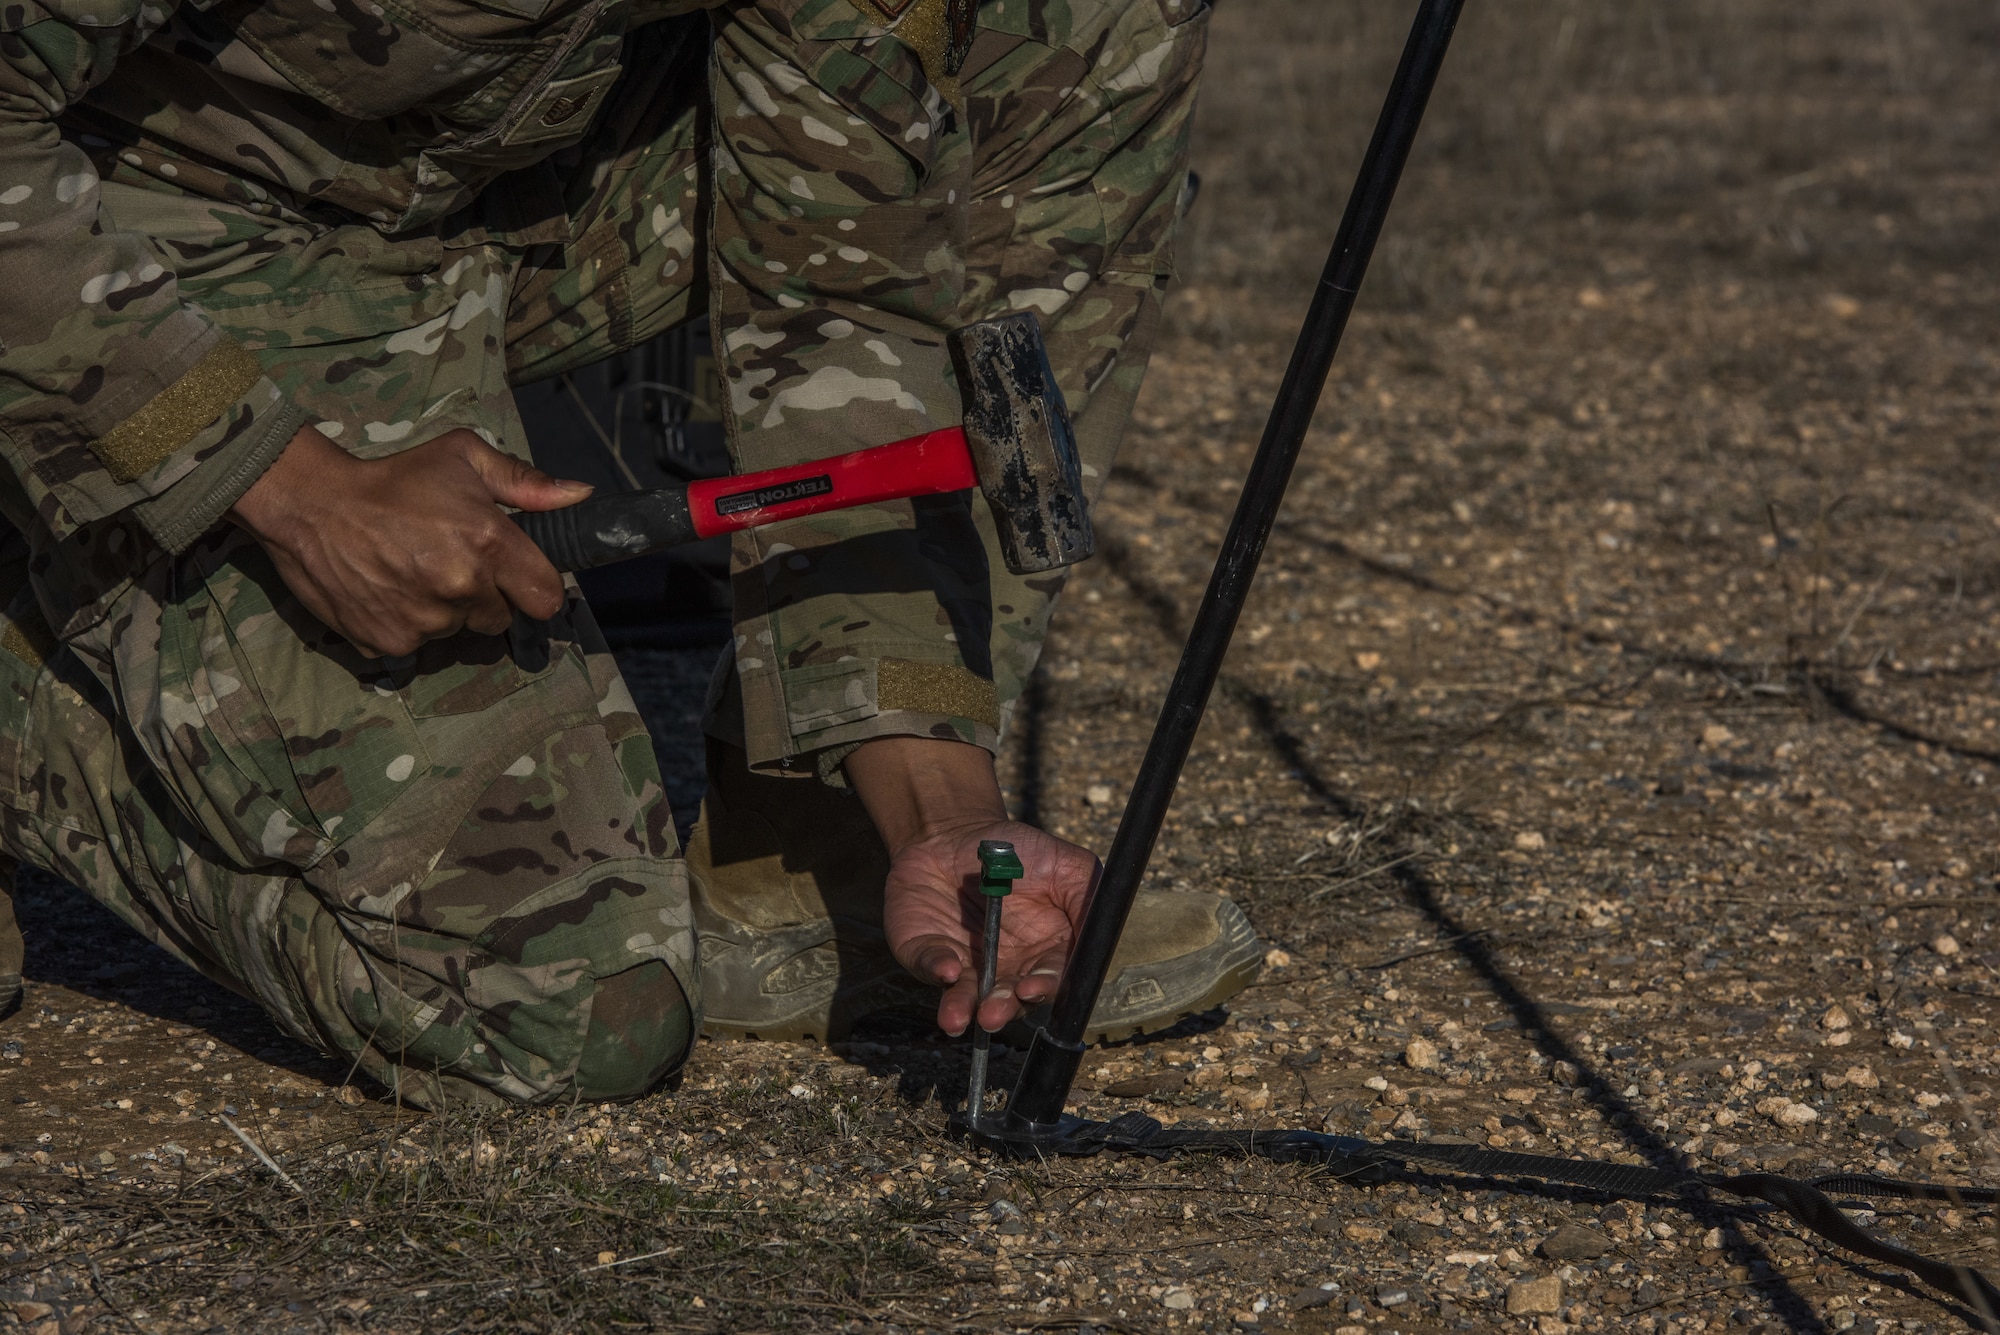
(458, 870)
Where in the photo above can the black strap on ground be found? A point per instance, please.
(1366, 1161)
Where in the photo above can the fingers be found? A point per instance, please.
(525, 579)
(521, 576)
(1017, 994)
(943, 962)
(956, 1005)
(937, 959)
(1039, 981)
(999, 1008)
(1007, 1001)
(510, 481)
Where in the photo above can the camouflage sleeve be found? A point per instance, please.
(114, 393)
(866, 205)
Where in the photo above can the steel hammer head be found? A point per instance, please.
(1022, 446)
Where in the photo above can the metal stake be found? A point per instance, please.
(999, 867)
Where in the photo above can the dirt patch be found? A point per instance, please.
(1606, 756)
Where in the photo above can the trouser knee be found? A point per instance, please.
(641, 1029)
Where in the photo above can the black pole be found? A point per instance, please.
(1053, 1057)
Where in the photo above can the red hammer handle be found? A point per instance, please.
(621, 525)
(925, 465)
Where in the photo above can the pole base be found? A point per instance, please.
(1135, 1133)
(1071, 1136)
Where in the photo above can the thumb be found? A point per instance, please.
(522, 485)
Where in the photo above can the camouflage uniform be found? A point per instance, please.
(458, 869)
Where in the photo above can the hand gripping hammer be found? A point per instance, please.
(1016, 446)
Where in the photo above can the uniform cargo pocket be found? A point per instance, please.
(285, 740)
(469, 673)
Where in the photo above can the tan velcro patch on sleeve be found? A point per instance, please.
(178, 413)
(936, 688)
(27, 636)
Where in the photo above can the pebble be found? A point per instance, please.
(1541, 1296)
(1574, 1242)
(1420, 1054)
(1307, 1299)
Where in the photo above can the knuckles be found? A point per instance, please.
(458, 584)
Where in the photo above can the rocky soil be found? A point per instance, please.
(1605, 758)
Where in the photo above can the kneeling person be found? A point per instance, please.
(286, 689)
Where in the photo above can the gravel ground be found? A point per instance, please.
(1605, 758)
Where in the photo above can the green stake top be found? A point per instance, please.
(999, 867)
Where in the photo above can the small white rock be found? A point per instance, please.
(1945, 944)
(1530, 841)
(1835, 1018)
(1098, 794)
(1898, 1039)
(1420, 1054)
(1796, 1114)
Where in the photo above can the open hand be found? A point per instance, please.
(933, 801)
(934, 915)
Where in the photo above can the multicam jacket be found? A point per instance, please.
(113, 388)
(863, 202)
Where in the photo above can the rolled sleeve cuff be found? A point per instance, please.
(234, 449)
(831, 708)
(178, 415)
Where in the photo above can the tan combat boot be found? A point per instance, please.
(13, 951)
(787, 882)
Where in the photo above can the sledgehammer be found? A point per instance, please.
(1016, 446)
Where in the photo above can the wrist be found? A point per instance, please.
(303, 469)
(920, 788)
